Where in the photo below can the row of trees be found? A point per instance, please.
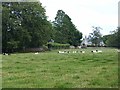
(25, 25)
(113, 39)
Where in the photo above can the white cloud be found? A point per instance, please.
(86, 13)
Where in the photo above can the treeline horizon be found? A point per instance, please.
(25, 25)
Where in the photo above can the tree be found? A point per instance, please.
(65, 30)
(24, 25)
(113, 39)
(96, 36)
(105, 38)
(118, 36)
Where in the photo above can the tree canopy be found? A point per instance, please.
(95, 37)
(113, 39)
(65, 30)
(24, 25)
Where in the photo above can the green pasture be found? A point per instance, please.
(53, 70)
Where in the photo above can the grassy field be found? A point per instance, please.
(54, 70)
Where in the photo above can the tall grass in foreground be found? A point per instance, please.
(54, 70)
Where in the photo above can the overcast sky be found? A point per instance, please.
(86, 13)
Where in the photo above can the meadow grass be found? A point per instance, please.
(53, 70)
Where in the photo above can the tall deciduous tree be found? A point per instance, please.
(66, 31)
(113, 39)
(24, 25)
(95, 37)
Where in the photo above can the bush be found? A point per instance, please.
(52, 45)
